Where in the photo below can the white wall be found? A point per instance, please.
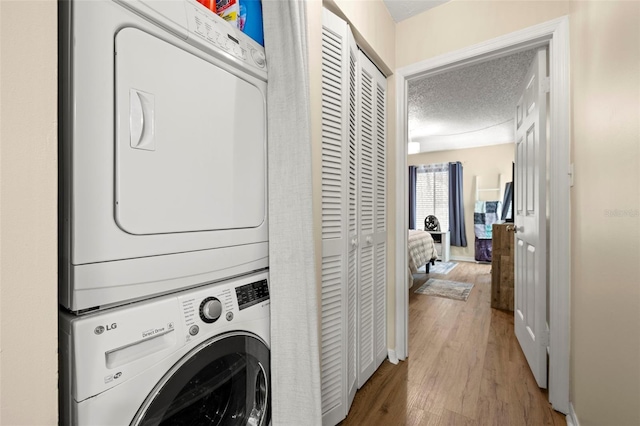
(28, 213)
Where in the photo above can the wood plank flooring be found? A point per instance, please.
(465, 366)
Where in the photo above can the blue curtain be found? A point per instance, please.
(412, 197)
(456, 206)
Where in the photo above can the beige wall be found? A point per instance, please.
(488, 162)
(28, 213)
(605, 306)
(374, 28)
(459, 24)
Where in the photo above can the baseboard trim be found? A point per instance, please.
(393, 357)
(572, 417)
(462, 258)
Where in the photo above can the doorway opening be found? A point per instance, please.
(553, 34)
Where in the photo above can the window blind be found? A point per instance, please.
(432, 194)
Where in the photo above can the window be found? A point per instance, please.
(432, 194)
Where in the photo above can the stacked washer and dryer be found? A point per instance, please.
(164, 287)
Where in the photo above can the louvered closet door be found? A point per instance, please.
(352, 220)
(372, 218)
(334, 219)
(380, 218)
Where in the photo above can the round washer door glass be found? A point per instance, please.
(225, 381)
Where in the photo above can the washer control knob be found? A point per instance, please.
(210, 309)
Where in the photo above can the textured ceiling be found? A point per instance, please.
(403, 9)
(467, 107)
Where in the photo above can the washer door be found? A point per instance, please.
(224, 381)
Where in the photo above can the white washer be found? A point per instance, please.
(176, 359)
(163, 150)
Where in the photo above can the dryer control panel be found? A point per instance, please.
(205, 30)
(252, 294)
(221, 35)
(209, 308)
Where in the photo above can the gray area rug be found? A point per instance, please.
(439, 268)
(443, 288)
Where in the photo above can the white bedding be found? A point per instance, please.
(421, 250)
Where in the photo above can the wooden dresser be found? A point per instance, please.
(502, 268)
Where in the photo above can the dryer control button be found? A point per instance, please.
(229, 316)
(193, 330)
(210, 309)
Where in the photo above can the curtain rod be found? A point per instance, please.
(419, 166)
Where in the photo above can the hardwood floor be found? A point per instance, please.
(465, 366)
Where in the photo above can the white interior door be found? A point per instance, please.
(530, 219)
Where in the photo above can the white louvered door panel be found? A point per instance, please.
(366, 361)
(380, 225)
(332, 347)
(366, 125)
(334, 219)
(352, 221)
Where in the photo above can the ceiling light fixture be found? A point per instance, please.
(414, 148)
(425, 130)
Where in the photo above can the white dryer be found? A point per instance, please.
(198, 357)
(163, 150)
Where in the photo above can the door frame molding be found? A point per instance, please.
(555, 34)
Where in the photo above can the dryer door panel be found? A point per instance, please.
(190, 141)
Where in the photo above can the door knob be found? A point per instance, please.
(369, 240)
(515, 229)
